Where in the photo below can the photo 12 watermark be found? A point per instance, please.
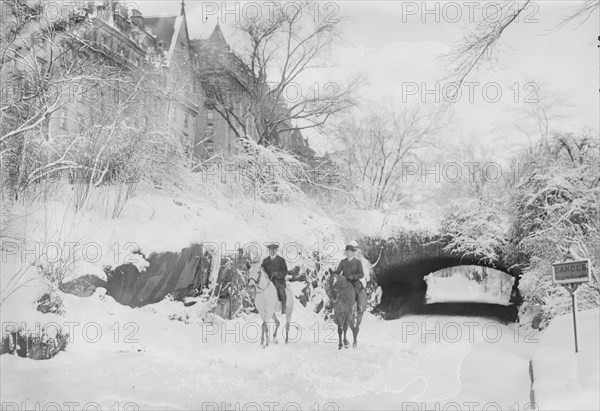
(469, 11)
(89, 332)
(466, 331)
(268, 406)
(68, 406)
(470, 92)
(467, 406)
(69, 252)
(270, 11)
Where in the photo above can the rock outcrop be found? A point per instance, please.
(178, 274)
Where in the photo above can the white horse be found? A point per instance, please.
(264, 294)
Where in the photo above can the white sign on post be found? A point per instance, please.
(570, 274)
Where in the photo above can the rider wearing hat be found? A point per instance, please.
(351, 268)
(276, 269)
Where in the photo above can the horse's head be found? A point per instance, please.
(252, 283)
(257, 280)
(337, 282)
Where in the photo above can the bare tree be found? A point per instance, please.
(580, 13)
(40, 78)
(478, 46)
(71, 107)
(375, 147)
(257, 91)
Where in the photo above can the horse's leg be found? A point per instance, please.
(264, 339)
(276, 328)
(357, 328)
(288, 315)
(354, 328)
(262, 335)
(267, 337)
(287, 331)
(339, 325)
(346, 343)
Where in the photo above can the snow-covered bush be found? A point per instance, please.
(556, 216)
(477, 228)
(38, 347)
(270, 174)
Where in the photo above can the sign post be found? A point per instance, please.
(570, 274)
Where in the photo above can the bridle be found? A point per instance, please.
(340, 290)
(257, 280)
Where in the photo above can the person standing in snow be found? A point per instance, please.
(352, 269)
(276, 269)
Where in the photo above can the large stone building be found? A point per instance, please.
(79, 62)
(229, 91)
(226, 119)
(106, 33)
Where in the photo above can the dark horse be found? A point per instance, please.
(343, 298)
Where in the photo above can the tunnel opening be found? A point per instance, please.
(429, 288)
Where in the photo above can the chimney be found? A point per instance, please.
(137, 18)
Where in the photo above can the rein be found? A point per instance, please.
(348, 283)
(256, 280)
(339, 291)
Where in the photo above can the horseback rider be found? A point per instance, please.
(352, 270)
(276, 269)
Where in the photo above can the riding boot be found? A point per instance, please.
(283, 302)
(358, 302)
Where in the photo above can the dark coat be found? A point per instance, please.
(276, 269)
(352, 270)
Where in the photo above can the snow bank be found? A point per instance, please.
(51, 234)
(384, 224)
(563, 379)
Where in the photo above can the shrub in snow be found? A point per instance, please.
(556, 216)
(37, 347)
(51, 303)
(270, 174)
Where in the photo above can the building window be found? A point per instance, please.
(210, 130)
(209, 146)
(62, 121)
(186, 120)
(210, 114)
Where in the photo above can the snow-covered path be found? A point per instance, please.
(411, 363)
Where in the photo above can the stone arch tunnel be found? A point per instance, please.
(403, 262)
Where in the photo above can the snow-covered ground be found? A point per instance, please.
(563, 379)
(495, 286)
(168, 356)
(138, 357)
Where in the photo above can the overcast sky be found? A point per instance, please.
(398, 47)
